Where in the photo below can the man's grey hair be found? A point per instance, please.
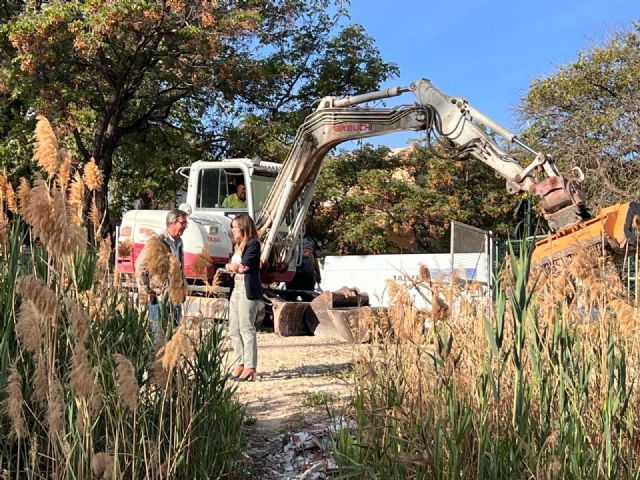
(174, 215)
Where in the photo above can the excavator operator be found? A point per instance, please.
(236, 200)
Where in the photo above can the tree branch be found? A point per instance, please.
(86, 154)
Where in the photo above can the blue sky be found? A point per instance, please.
(486, 51)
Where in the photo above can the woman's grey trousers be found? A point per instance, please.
(242, 325)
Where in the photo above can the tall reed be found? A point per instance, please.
(79, 392)
(543, 387)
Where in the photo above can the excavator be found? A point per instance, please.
(454, 121)
(281, 194)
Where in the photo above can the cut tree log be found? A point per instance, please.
(289, 318)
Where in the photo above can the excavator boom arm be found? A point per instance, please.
(337, 120)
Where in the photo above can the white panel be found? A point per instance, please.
(369, 273)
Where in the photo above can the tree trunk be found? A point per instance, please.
(105, 163)
(146, 202)
(104, 145)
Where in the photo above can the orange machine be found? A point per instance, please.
(616, 227)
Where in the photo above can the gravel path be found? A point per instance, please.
(295, 376)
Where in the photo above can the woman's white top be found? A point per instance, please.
(237, 258)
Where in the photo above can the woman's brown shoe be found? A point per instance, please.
(248, 375)
(237, 371)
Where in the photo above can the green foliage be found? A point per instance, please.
(409, 199)
(585, 115)
(318, 399)
(297, 74)
(144, 86)
(16, 124)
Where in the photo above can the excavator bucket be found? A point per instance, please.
(289, 317)
(616, 227)
(336, 314)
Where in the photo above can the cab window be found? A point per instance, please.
(217, 184)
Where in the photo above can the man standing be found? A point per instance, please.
(236, 200)
(159, 276)
(308, 272)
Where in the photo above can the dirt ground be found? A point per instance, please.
(297, 378)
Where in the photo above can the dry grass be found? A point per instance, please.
(200, 266)
(80, 377)
(126, 379)
(46, 151)
(579, 328)
(92, 176)
(14, 402)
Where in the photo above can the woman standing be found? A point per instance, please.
(245, 297)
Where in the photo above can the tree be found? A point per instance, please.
(112, 73)
(15, 131)
(319, 66)
(372, 201)
(587, 115)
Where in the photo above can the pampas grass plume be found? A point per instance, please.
(80, 378)
(40, 380)
(97, 396)
(159, 373)
(44, 299)
(104, 252)
(4, 229)
(10, 194)
(46, 153)
(625, 314)
(3, 185)
(24, 189)
(39, 210)
(581, 265)
(102, 465)
(94, 213)
(425, 274)
(92, 176)
(126, 379)
(178, 346)
(202, 262)
(28, 326)
(156, 259)
(76, 199)
(48, 218)
(13, 403)
(63, 237)
(79, 321)
(64, 172)
(177, 286)
(55, 407)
